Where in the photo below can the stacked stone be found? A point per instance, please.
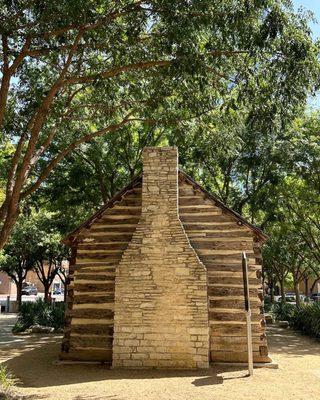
(161, 307)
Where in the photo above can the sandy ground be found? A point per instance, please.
(31, 360)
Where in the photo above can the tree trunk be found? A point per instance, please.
(272, 292)
(297, 292)
(65, 285)
(306, 287)
(47, 297)
(19, 294)
(313, 285)
(283, 294)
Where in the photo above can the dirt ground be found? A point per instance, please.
(31, 361)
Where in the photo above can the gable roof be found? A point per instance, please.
(72, 236)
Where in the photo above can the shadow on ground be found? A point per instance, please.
(32, 362)
(291, 343)
(34, 367)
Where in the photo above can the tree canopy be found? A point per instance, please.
(76, 71)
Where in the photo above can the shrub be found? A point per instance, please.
(283, 311)
(306, 318)
(267, 304)
(7, 382)
(41, 313)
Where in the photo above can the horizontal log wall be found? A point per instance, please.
(219, 240)
(89, 318)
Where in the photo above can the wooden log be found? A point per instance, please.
(238, 330)
(94, 287)
(227, 280)
(97, 329)
(224, 292)
(205, 219)
(87, 355)
(122, 211)
(108, 239)
(221, 252)
(232, 304)
(192, 201)
(215, 266)
(233, 233)
(233, 356)
(235, 317)
(95, 257)
(103, 298)
(226, 341)
(94, 277)
(93, 342)
(110, 220)
(227, 245)
(91, 313)
(202, 209)
(221, 259)
(112, 229)
(103, 246)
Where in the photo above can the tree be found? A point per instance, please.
(84, 70)
(275, 262)
(63, 274)
(48, 252)
(16, 258)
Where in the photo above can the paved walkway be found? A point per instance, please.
(31, 361)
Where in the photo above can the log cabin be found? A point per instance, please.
(156, 276)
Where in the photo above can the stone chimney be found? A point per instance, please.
(161, 307)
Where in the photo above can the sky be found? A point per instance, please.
(314, 6)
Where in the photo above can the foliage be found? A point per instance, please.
(34, 244)
(16, 258)
(284, 312)
(7, 382)
(306, 317)
(89, 69)
(41, 313)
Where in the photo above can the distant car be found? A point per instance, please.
(29, 291)
(315, 296)
(291, 298)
